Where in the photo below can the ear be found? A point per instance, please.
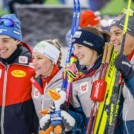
(18, 42)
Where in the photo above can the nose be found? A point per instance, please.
(34, 62)
(112, 38)
(75, 51)
(1, 44)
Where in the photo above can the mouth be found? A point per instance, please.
(3, 51)
(80, 57)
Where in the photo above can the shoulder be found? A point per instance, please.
(25, 55)
(130, 85)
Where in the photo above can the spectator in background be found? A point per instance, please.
(90, 18)
(17, 113)
(87, 18)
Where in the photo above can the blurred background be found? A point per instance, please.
(49, 19)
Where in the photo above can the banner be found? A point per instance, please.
(40, 22)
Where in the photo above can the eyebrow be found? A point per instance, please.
(118, 30)
(7, 38)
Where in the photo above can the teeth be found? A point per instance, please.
(79, 57)
(2, 51)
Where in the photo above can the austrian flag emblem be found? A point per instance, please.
(84, 87)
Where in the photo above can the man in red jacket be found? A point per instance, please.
(17, 113)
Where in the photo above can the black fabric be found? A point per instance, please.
(89, 40)
(14, 58)
(22, 118)
(13, 2)
(123, 65)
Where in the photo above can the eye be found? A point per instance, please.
(59, 91)
(79, 46)
(33, 58)
(5, 40)
(118, 33)
(39, 58)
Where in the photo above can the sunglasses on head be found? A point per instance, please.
(7, 22)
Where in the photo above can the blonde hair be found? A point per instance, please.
(56, 43)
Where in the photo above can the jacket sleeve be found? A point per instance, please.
(130, 85)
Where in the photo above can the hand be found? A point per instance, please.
(123, 65)
(52, 108)
(48, 111)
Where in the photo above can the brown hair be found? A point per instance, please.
(56, 43)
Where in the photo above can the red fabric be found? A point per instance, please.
(27, 46)
(88, 17)
(37, 85)
(47, 79)
(131, 55)
(44, 80)
(18, 85)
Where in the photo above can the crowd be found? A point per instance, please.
(28, 78)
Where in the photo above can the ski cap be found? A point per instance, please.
(48, 50)
(89, 40)
(88, 17)
(14, 30)
(119, 22)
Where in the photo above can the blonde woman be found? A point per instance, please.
(46, 61)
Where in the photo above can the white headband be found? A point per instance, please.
(48, 50)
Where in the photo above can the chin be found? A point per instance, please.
(82, 64)
(38, 73)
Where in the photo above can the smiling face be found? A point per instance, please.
(86, 56)
(7, 46)
(116, 38)
(43, 65)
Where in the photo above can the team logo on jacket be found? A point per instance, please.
(84, 87)
(18, 73)
(23, 59)
(36, 93)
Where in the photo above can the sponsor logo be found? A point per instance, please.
(3, 30)
(23, 59)
(77, 34)
(97, 87)
(36, 93)
(18, 73)
(16, 32)
(84, 87)
(88, 43)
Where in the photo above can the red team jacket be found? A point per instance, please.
(17, 113)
